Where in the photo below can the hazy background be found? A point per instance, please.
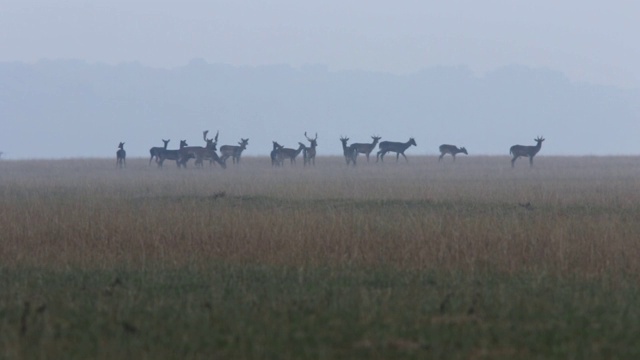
(77, 77)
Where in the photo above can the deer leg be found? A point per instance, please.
(405, 157)
(530, 160)
(513, 161)
(441, 156)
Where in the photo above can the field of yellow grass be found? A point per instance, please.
(417, 259)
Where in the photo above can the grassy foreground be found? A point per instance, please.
(418, 260)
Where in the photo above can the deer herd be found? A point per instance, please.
(279, 153)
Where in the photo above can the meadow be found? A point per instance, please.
(425, 259)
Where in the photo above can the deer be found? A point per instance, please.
(233, 151)
(451, 149)
(210, 154)
(172, 154)
(349, 155)
(529, 151)
(121, 156)
(309, 153)
(291, 154)
(155, 151)
(274, 154)
(364, 148)
(198, 152)
(397, 147)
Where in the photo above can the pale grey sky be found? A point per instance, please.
(593, 41)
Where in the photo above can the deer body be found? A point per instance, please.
(528, 151)
(291, 154)
(309, 153)
(121, 156)
(349, 154)
(171, 154)
(363, 148)
(397, 147)
(451, 149)
(198, 152)
(233, 151)
(156, 150)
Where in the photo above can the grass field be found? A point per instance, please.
(416, 260)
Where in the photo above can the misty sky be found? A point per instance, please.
(592, 41)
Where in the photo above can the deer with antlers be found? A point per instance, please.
(364, 148)
(309, 153)
(197, 152)
(349, 155)
(156, 150)
(528, 151)
(121, 156)
(451, 149)
(232, 151)
(397, 147)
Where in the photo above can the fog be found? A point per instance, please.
(78, 77)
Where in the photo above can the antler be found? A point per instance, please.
(308, 138)
(204, 134)
(217, 133)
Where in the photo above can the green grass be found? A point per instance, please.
(232, 311)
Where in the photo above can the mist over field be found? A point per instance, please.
(72, 108)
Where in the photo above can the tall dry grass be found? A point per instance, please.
(583, 218)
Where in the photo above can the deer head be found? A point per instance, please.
(539, 139)
(121, 146)
(463, 150)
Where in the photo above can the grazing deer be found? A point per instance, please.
(309, 153)
(451, 149)
(396, 147)
(529, 151)
(171, 154)
(291, 154)
(360, 148)
(274, 154)
(121, 156)
(233, 151)
(210, 154)
(155, 151)
(349, 155)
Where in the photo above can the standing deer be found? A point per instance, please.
(171, 154)
(451, 149)
(274, 154)
(522, 150)
(121, 156)
(195, 152)
(233, 151)
(363, 148)
(155, 151)
(349, 155)
(309, 153)
(396, 147)
(291, 154)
